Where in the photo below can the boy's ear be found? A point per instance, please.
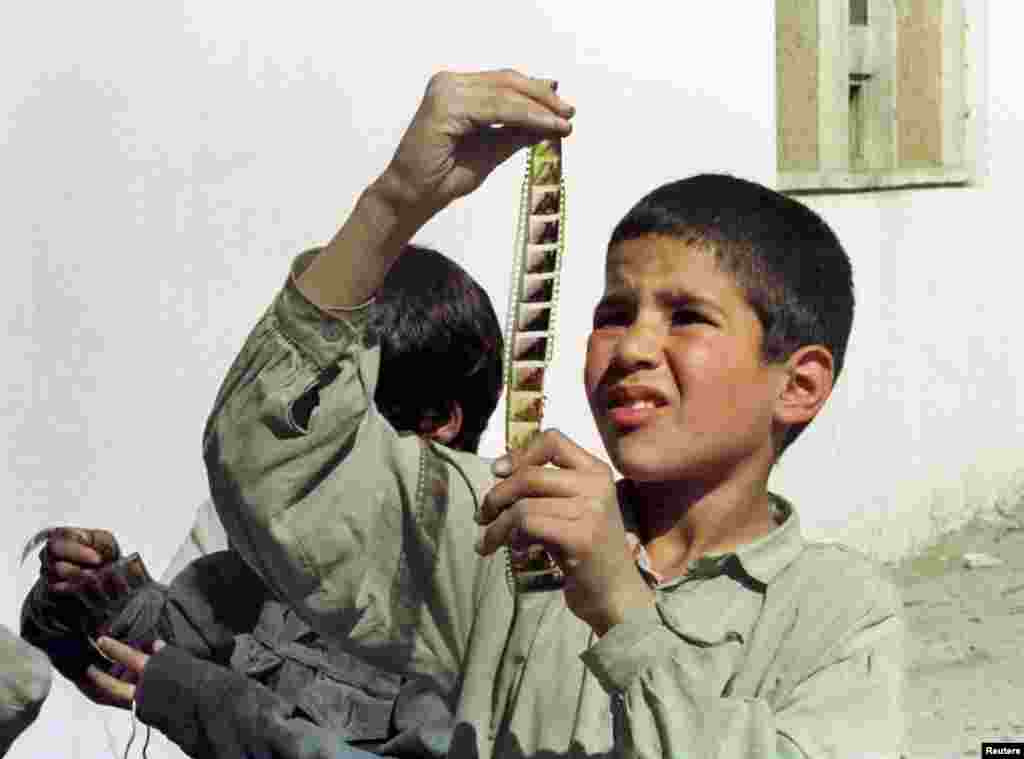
(447, 430)
(809, 378)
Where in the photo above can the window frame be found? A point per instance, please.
(868, 56)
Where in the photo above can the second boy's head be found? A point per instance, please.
(441, 349)
(723, 326)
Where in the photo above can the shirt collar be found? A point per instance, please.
(754, 564)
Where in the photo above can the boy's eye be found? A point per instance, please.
(609, 318)
(688, 316)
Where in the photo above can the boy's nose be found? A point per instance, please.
(640, 347)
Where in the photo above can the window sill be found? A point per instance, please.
(808, 182)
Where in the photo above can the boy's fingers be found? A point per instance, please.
(487, 108)
(61, 571)
(123, 654)
(505, 97)
(107, 689)
(66, 578)
(550, 447)
(531, 482)
(70, 550)
(105, 544)
(532, 520)
(538, 88)
(526, 475)
(102, 542)
(154, 646)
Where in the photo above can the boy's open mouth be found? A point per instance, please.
(631, 406)
(634, 397)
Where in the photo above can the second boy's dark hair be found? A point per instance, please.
(440, 342)
(789, 263)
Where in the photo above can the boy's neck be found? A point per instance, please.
(681, 521)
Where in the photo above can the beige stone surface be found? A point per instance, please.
(964, 659)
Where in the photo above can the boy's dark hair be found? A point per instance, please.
(440, 342)
(786, 259)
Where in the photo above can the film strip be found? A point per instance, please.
(530, 332)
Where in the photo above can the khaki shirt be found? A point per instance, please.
(782, 648)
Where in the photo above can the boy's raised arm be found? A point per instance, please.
(366, 533)
(450, 147)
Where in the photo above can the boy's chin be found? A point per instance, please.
(655, 464)
(644, 457)
(645, 465)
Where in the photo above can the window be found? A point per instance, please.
(870, 93)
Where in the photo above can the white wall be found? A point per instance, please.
(161, 163)
(926, 427)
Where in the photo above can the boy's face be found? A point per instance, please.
(674, 374)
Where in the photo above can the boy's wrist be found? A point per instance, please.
(401, 200)
(352, 266)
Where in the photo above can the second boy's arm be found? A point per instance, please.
(448, 150)
(366, 533)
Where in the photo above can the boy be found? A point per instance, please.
(695, 621)
(217, 609)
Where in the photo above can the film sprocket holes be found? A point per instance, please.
(530, 332)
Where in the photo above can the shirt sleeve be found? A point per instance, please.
(367, 533)
(211, 711)
(214, 599)
(205, 536)
(669, 691)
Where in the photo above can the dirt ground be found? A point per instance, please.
(965, 664)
